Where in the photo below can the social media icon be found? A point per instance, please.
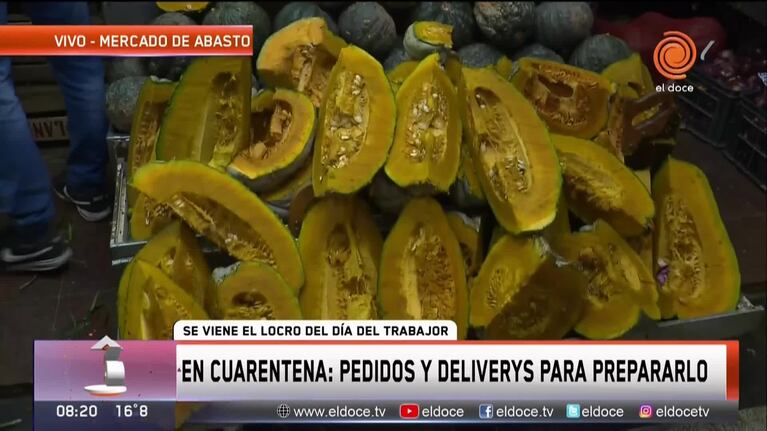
(485, 411)
(645, 411)
(573, 411)
(409, 411)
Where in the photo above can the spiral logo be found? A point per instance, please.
(675, 55)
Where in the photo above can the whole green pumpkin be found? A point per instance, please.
(121, 98)
(562, 25)
(459, 14)
(169, 67)
(538, 51)
(121, 67)
(599, 51)
(396, 56)
(242, 13)
(368, 25)
(479, 55)
(297, 10)
(507, 25)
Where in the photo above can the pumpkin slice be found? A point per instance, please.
(341, 247)
(148, 217)
(176, 252)
(619, 285)
(424, 275)
(255, 291)
(423, 38)
(427, 140)
(400, 72)
(466, 191)
(208, 119)
(226, 212)
(570, 100)
(598, 185)
(356, 124)
(520, 293)
(150, 107)
(282, 130)
(513, 156)
(154, 303)
(300, 57)
(182, 6)
(466, 232)
(632, 73)
(696, 265)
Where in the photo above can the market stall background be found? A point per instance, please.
(78, 303)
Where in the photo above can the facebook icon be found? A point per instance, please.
(485, 411)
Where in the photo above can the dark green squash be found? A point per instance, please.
(296, 10)
(121, 99)
(562, 25)
(242, 13)
(537, 50)
(479, 55)
(507, 25)
(599, 51)
(369, 26)
(170, 67)
(458, 14)
(395, 57)
(123, 67)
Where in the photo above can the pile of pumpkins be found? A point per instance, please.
(501, 194)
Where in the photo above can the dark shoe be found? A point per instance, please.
(34, 249)
(91, 207)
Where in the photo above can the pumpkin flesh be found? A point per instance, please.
(571, 101)
(424, 276)
(427, 137)
(154, 303)
(226, 212)
(513, 156)
(208, 118)
(341, 248)
(356, 124)
(697, 268)
(150, 108)
(300, 56)
(255, 291)
(282, 129)
(598, 185)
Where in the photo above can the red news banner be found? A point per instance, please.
(125, 40)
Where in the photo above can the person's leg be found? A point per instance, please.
(82, 82)
(25, 193)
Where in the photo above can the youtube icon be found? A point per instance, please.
(409, 411)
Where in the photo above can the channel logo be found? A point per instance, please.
(409, 411)
(573, 411)
(485, 411)
(675, 55)
(645, 411)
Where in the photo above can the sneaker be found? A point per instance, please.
(92, 208)
(28, 250)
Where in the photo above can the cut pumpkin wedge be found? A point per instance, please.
(225, 211)
(516, 163)
(154, 303)
(208, 119)
(254, 291)
(427, 139)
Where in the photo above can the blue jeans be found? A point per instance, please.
(25, 189)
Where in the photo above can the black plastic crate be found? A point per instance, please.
(747, 143)
(706, 110)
